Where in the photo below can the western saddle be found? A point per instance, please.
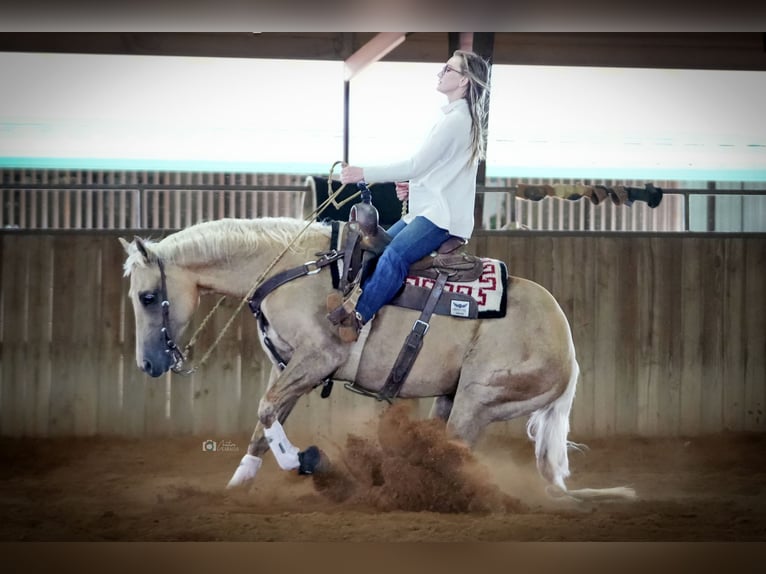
(363, 243)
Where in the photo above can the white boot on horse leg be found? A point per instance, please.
(251, 462)
(246, 471)
(290, 457)
(287, 456)
(274, 407)
(284, 451)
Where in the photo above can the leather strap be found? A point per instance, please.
(352, 238)
(412, 344)
(278, 280)
(170, 345)
(289, 275)
(334, 234)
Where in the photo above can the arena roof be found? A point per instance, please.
(690, 50)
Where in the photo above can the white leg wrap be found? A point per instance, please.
(285, 453)
(246, 471)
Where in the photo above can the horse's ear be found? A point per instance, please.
(125, 245)
(141, 247)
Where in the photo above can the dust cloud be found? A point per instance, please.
(410, 465)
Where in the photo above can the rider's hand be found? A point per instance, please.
(351, 174)
(402, 190)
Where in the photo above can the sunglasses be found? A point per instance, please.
(448, 68)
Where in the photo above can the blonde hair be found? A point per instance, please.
(476, 69)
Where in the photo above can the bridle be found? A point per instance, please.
(170, 345)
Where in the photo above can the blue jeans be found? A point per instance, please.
(410, 243)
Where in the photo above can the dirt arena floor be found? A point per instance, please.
(400, 482)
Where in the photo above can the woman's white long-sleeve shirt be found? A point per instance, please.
(442, 177)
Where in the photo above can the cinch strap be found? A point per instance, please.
(412, 344)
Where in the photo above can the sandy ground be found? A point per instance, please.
(701, 489)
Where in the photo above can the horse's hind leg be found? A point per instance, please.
(483, 397)
(466, 418)
(442, 407)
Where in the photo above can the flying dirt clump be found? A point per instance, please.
(412, 466)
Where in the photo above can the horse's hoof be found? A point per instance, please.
(309, 460)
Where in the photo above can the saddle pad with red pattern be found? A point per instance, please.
(489, 290)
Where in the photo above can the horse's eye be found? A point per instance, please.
(147, 298)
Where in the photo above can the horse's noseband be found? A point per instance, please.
(170, 346)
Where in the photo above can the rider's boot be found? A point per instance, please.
(343, 314)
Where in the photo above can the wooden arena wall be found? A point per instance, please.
(670, 332)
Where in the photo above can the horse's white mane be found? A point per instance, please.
(225, 238)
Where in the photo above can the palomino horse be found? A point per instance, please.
(478, 371)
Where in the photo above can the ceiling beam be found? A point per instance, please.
(704, 50)
(371, 52)
(269, 45)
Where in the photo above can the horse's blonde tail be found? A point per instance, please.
(548, 427)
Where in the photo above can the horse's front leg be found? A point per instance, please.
(259, 444)
(251, 462)
(301, 375)
(304, 372)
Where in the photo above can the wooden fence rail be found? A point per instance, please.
(40, 207)
(670, 331)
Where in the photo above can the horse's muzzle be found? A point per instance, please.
(154, 369)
